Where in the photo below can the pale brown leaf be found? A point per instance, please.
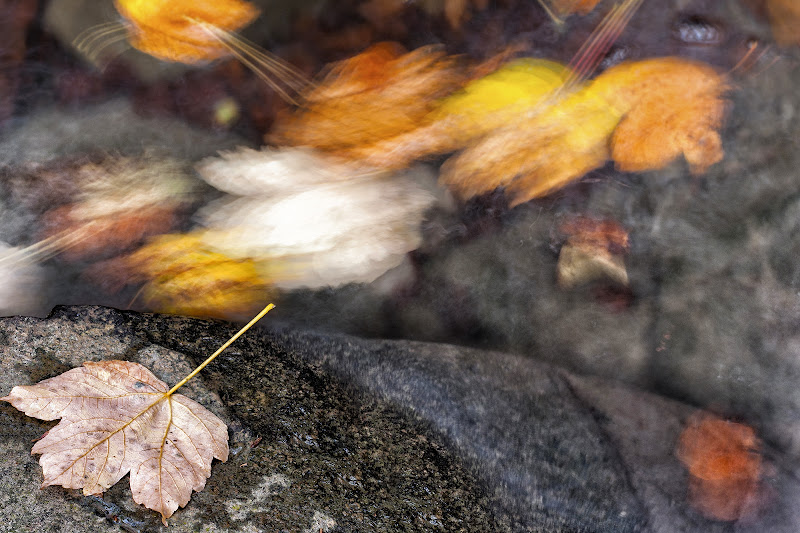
(116, 417)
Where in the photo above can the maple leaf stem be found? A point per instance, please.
(213, 356)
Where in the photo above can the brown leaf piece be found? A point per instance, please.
(594, 250)
(119, 201)
(784, 16)
(377, 94)
(117, 417)
(724, 462)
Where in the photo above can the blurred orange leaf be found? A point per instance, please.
(177, 30)
(724, 462)
(567, 7)
(641, 114)
(482, 106)
(377, 94)
(672, 107)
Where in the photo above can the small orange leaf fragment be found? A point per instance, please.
(724, 462)
(174, 30)
(567, 7)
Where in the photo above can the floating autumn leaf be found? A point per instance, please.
(582, 7)
(724, 462)
(178, 30)
(559, 9)
(536, 154)
(321, 223)
(784, 16)
(483, 105)
(182, 275)
(594, 249)
(377, 94)
(642, 114)
(120, 201)
(672, 107)
(117, 417)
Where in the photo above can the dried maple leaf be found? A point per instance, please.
(180, 30)
(377, 94)
(724, 463)
(117, 417)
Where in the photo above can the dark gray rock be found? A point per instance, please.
(360, 435)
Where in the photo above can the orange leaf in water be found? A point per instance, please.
(724, 463)
(672, 107)
(377, 94)
(178, 30)
(641, 114)
(117, 417)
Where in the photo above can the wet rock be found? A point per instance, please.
(343, 434)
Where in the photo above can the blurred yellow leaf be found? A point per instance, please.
(641, 114)
(483, 105)
(183, 276)
(535, 155)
